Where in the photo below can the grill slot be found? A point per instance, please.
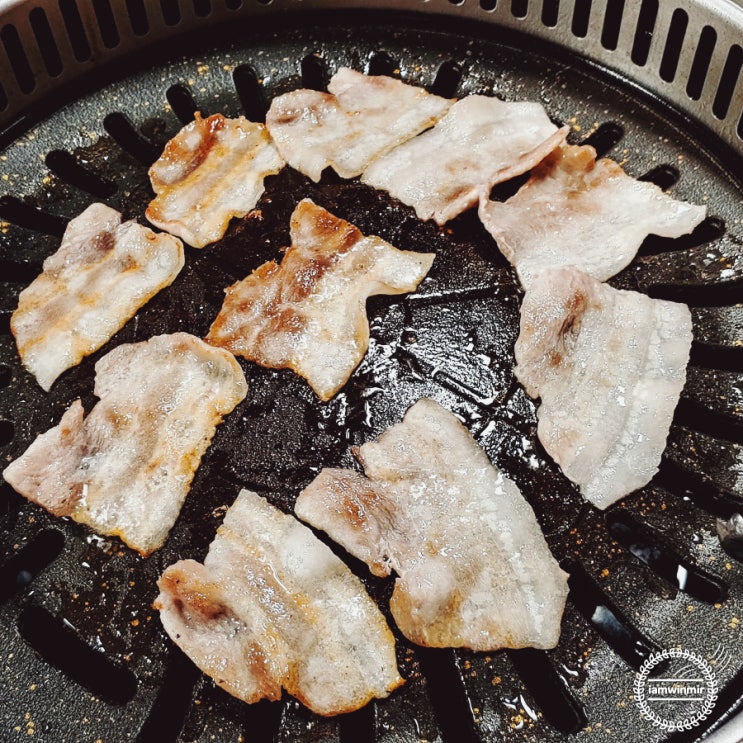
(23, 567)
(250, 92)
(314, 72)
(129, 139)
(728, 82)
(183, 104)
(607, 618)
(173, 701)
(171, 12)
(106, 23)
(137, 12)
(76, 35)
(65, 166)
(17, 58)
(45, 41)
(649, 546)
(60, 647)
(21, 214)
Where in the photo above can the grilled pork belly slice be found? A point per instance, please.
(309, 313)
(473, 567)
(126, 468)
(480, 142)
(103, 272)
(575, 211)
(210, 172)
(609, 367)
(272, 607)
(361, 118)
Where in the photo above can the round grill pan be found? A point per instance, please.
(84, 656)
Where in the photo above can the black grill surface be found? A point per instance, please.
(83, 655)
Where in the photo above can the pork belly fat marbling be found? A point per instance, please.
(309, 313)
(210, 172)
(480, 142)
(361, 118)
(609, 367)
(272, 607)
(103, 272)
(473, 567)
(126, 468)
(575, 211)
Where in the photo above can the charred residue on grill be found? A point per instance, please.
(452, 340)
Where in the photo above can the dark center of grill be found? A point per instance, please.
(78, 607)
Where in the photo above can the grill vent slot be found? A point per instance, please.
(520, 8)
(581, 17)
(124, 133)
(62, 648)
(202, 8)
(488, 5)
(106, 23)
(728, 82)
(250, 92)
(23, 567)
(7, 430)
(550, 12)
(233, 4)
(17, 58)
(45, 41)
(674, 43)
(644, 32)
(171, 12)
(700, 65)
(137, 13)
(314, 72)
(612, 24)
(182, 102)
(75, 30)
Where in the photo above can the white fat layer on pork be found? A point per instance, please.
(609, 367)
(103, 272)
(273, 607)
(211, 171)
(361, 118)
(480, 142)
(473, 567)
(309, 313)
(575, 211)
(126, 468)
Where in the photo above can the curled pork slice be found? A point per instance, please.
(480, 142)
(272, 607)
(309, 313)
(361, 118)
(126, 468)
(609, 367)
(103, 272)
(473, 567)
(576, 211)
(210, 172)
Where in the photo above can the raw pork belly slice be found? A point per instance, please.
(103, 272)
(361, 118)
(609, 367)
(480, 142)
(473, 567)
(575, 211)
(125, 470)
(210, 172)
(308, 314)
(273, 607)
